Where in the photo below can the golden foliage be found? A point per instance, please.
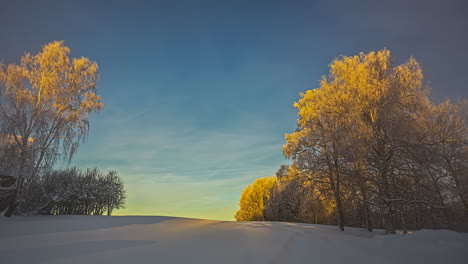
(49, 97)
(369, 145)
(364, 106)
(253, 199)
(354, 98)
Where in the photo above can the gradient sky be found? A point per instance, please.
(198, 94)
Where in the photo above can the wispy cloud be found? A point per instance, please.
(171, 165)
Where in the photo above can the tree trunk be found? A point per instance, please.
(19, 183)
(12, 204)
(391, 215)
(403, 221)
(339, 211)
(335, 186)
(368, 220)
(14, 198)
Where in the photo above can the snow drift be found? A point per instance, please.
(142, 239)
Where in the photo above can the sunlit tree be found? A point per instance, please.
(253, 199)
(48, 98)
(364, 110)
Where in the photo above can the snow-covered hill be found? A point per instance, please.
(142, 239)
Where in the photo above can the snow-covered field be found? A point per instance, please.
(144, 239)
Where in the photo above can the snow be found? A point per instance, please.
(153, 239)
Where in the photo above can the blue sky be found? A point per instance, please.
(198, 94)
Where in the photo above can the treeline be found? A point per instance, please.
(74, 192)
(370, 150)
